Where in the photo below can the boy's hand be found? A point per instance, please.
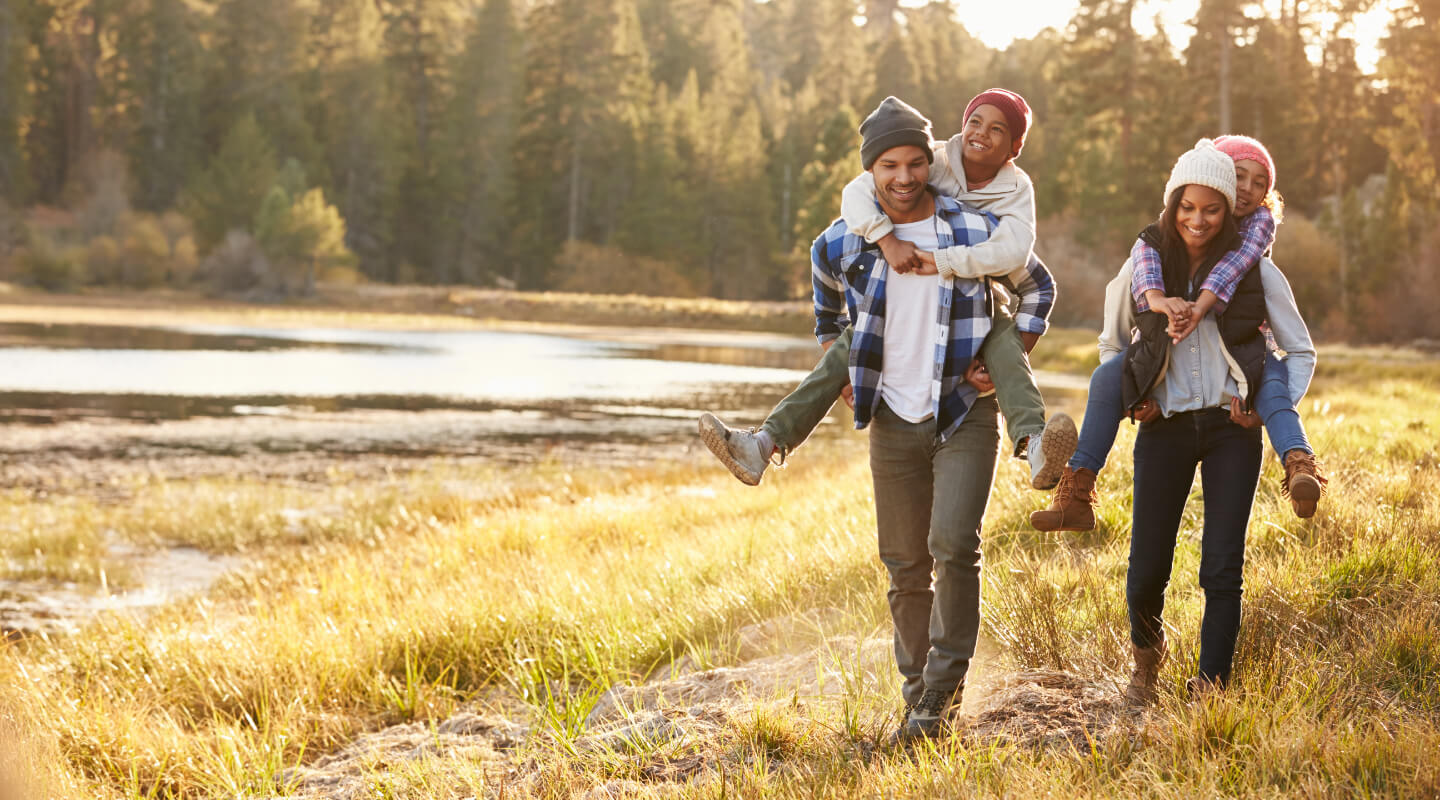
(848, 395)
(927, 263)
(902, 256)
(978, 375)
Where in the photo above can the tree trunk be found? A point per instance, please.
(1225, 122)
(572, 230)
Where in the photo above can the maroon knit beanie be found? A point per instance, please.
(1240, 148)
(1015, 109)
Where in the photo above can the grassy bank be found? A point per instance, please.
(369, 604)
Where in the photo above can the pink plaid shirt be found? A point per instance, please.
(1257, 234)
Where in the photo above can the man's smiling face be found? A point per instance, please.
(900, 176)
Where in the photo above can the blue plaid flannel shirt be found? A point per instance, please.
(848, 275)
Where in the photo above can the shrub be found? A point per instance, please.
(102, 258)
(593, 268)
(50, 265)
(1310, 258)
(236, 265)
(145, 253)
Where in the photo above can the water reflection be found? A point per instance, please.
(120, 337)
(147, 373)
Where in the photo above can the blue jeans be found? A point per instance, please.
(1166, 452)
(1105, 409)
(1276, 410)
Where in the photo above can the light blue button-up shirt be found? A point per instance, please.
(1201, 373)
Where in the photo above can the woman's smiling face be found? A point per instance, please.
(1199, 216)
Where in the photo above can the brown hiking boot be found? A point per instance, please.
(1073, 506)
(1146, 677)
(1303, 483)
(1199, 688)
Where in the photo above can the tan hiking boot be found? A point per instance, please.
(1146, 677)
(1303, 483)
(1073, 506)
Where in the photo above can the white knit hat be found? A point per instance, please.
(1204, 165)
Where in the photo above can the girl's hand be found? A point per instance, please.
(927, 263)
(1239, 416)
(1181, 327)
(1176, 308)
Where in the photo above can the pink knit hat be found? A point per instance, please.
(1240, 148)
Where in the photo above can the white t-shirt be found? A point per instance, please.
(911, 308)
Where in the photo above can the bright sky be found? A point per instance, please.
(998, 24)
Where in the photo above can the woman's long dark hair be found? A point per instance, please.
(1175, 259)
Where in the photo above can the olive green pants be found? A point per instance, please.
(794, 418)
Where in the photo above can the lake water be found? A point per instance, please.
(434, 369)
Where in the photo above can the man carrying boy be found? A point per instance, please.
(976, 166)
(933, 438)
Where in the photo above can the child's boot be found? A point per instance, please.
(738, 450)
(1073, 506)
(1303, 482)
(1048, 451)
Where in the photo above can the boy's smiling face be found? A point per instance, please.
(988, 144)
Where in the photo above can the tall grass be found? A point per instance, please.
(402, 601)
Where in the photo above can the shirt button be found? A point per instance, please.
(1195, 372)
(1192, 348)
(1197, 398)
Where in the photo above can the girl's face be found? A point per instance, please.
(1199, 216)
(1251, 181)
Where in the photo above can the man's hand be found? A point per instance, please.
(903, 256)
(1147, 411)
(848, 395)
(927, 263)
(978, 375)
(1239, 416)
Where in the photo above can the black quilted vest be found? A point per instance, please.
(1149, 355)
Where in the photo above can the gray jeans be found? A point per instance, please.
(929, 502)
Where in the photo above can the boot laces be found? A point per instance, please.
(1302, 464)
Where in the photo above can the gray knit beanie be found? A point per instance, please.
(892, 124)
(1207, 166)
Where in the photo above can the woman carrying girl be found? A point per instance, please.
(1191, 402)
(1258, 208)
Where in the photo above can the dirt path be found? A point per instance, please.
(680, 727)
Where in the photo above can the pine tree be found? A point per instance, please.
(14, 101)
(160, 46)
(229, 192)
(480, 122)
(351, 113)
(587, 70)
